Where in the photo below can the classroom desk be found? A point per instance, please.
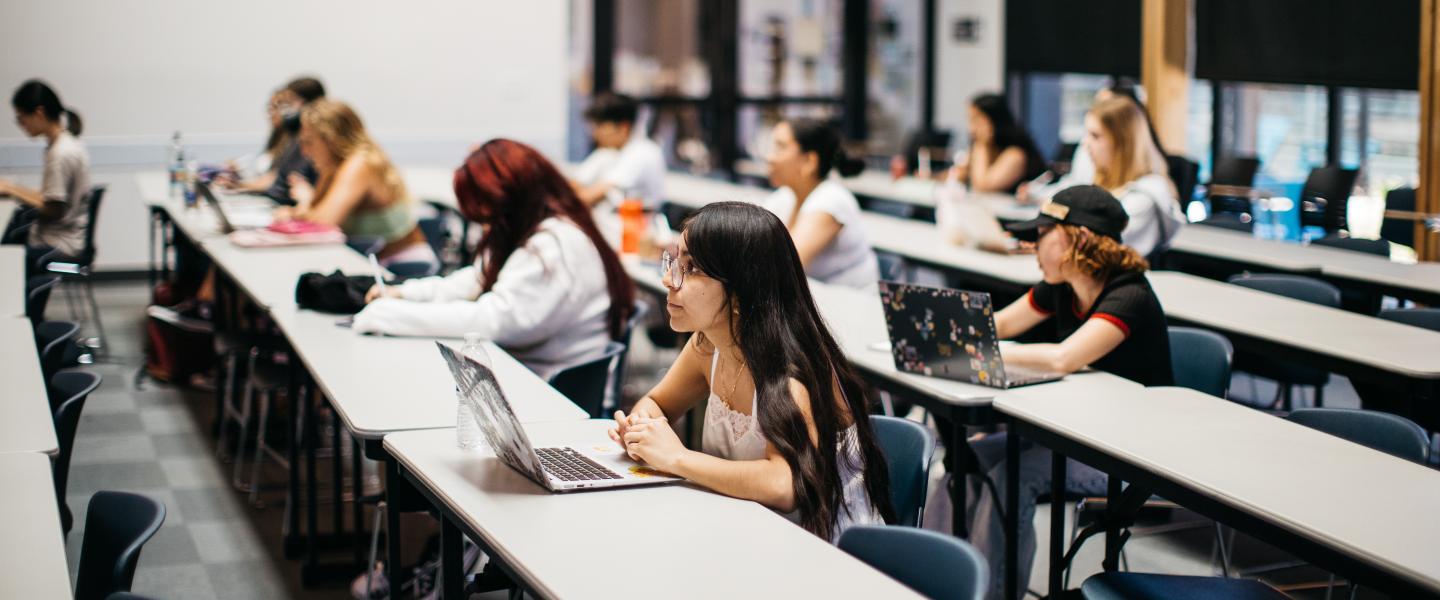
(7, 212)
(26, 422)
(32, 561)
(687, 542)
(919, 194)
(919, 242)
(1354, 511)
(12, 280)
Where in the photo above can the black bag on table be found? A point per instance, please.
(334, 293)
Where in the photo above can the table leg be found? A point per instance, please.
(1112, 527)
(1057, 523)
(960, 465)
(394, 507)
(1012, 513)
(312, 519)
(452, 560)
(292, 454)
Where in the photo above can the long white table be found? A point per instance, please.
(920, 193)
(659, 542)
(32, 559)
(26, 422)
(12, 280)
(1359, 512)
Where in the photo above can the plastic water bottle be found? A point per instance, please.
(467, 429)
(177, 166)
(190, 177)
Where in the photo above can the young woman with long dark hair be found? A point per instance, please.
(786, 423)
(1002, 154)
(545, 285)
(62, 204)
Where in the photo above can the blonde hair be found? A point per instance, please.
(1134, 154)
(1100, 256)
(337, 125)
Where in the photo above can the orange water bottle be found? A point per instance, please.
(632, 225)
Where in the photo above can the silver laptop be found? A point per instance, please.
(558, 469)
(949, 333)
(227, 225)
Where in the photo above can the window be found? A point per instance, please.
(1380, 135)
(896, 35)
(1283, 125)
(657, 49)
(790, 48)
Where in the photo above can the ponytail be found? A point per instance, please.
(36, 95)
(822, 138)
(73, 123)
(847, 164)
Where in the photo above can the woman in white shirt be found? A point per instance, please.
(822, 216)
(545, 286)
(61, 206)
(786, 423)
(1131, 167)
(624, 160)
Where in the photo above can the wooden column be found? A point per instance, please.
(1427, 196)
(1164, 49)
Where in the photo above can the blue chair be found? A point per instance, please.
(892, 266)
(53, 339)
(586, 384)
(37, 296)
(935, 565)
(1201, 360)
(365, 244)
(617, 373)
(1114, 585)
(1288, 374)
(1352, 298)
(68, 391)
(1392, 434)
(1427, 318)
(411, 269)
(116, 528)
(908, 448)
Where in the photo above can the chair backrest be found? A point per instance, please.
(1333, 184)
(1400, 231)
(87, 255)
(415, 268)
(1201, 360)
(1392, 434)
(892, 266)
(935, 565)
(1186, 174)
(617, 372)
(1298, 287)
(51, 340)
(117, 525)
(126, 596)
(37, 296)
(365, 244)
(1428, 318)
(585, 384)
(68, 392)
(1235, 170)
(1376, 247)
(908, 448)
(436, 233)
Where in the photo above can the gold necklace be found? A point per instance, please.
(734, 381)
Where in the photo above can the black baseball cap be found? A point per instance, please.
(1087, 206)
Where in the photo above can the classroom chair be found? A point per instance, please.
(437, 234)
(1357, 299)
(1115, 585)
(52, 339)
(365, 244)
(908, 448)
(407, 270)
(1288, 373)
(1427, 318)
(937, 566)
(1325, 196)
(117, 525)
(69, 391)
(267, 374)
(78, 268)
(1185, 173)
(1400, 231)
(587, 384)
(614, 395)
(1235, 172)
(127, 596)
(37, 296)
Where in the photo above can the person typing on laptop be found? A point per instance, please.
(786, 421)
(1104, 315)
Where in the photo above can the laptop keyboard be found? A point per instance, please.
(566, 464)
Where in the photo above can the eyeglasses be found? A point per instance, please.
(672, 271)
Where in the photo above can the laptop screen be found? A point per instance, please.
(476, 385)
(943, 332)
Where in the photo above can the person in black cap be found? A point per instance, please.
(1104, 315)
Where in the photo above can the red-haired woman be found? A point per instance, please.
(545, 285)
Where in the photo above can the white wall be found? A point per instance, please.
(430, 77)
(966, 69)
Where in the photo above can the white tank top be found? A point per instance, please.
(733, 435)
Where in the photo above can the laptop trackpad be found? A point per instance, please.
(610, 456)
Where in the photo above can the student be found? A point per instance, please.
(624, 160)
(1096, 300)
(358, 189)
(1002, 154)
(545, 285)
(1131, 167)
(284, 146)
(1082, 169)
(822, 216)
(786, 423)
(62, 204)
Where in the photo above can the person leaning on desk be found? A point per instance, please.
(1105, 316)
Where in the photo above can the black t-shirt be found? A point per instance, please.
(290, 160)
(1129, 303)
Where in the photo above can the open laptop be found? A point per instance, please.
(558, 469)
(228, 226)
(949, 333)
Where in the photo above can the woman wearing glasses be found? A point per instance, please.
(786, 422)
(545, 285)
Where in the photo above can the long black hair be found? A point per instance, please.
(782, 337)
(820, 137)
(1009, 133)
(35, 94)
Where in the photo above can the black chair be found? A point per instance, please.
(68, 392)
(365, 244)
(1325, 196)
(37, 296)
(615, 393)
(80, 267)
(412, 269)
(1400, 231)
(908, 448)
(1236, 171)
(1286, 373)
(127, 596)
(1427, 318)
(935, 565)
(117, 526)
(1114, 585)
(437, 235)
(586, 384)
(1186, 175)
(53, 340)
(1356, 299)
